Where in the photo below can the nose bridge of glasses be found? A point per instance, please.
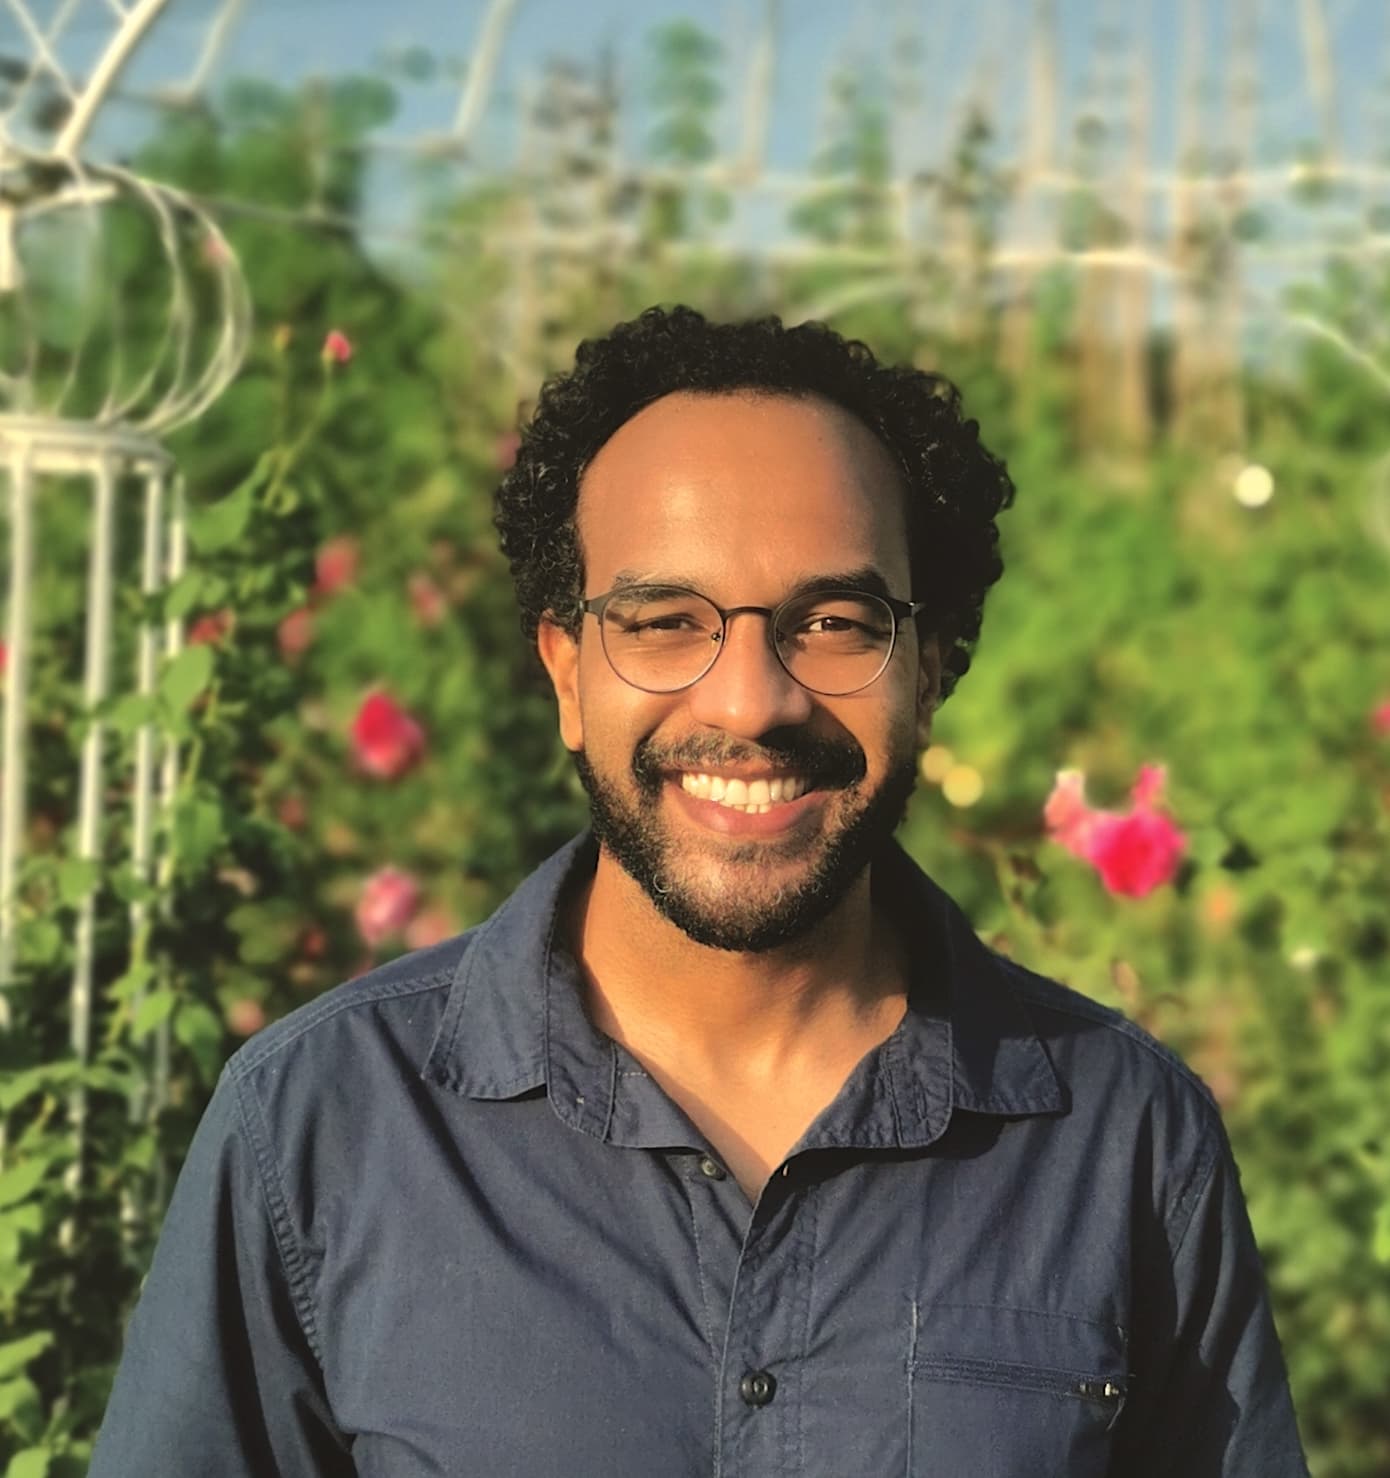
(769, 634)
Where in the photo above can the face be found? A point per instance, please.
(744, 805)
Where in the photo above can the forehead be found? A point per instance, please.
(742, 490)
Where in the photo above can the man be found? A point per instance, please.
(724, 1146)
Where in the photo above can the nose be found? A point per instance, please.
(748, 692)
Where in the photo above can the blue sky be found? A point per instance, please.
(964, 43)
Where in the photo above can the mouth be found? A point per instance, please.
(743, 806)
(753, 796)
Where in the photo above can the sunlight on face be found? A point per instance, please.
(744, 804)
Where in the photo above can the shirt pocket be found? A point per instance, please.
(1012, 1393)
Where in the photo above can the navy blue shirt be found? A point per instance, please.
(435, 1223)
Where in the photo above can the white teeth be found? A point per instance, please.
(753, 796)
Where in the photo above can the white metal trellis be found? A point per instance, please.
(96, 419)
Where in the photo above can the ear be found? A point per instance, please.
(928, 685)
(559, 651)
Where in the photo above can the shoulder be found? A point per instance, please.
(1133, 1103)
(1070, 1022)
(392, 1009)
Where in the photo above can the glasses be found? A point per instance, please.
(662, 638)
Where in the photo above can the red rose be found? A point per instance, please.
(1133, 853)
(386, 741)
(211, 628)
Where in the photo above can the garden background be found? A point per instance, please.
(1181, 348)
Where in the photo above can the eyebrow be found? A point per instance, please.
(866, 578)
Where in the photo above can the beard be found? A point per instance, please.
(743, 916)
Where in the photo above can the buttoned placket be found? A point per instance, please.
(756, 1265)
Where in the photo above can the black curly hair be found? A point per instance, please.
(955, 486)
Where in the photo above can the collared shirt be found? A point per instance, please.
(435, 1223)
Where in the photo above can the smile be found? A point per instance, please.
(753, 797)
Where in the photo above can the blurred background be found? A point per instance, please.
(279, 280)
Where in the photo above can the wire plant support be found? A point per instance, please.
(86, 400)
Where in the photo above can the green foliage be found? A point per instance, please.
(1146, 616)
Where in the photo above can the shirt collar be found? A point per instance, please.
(514, 1022)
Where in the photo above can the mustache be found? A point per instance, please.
(832, 764)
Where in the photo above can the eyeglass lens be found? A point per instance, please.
(661, 639)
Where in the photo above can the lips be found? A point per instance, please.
(746, 820)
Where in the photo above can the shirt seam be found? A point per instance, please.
(1185, 1208)
(1109, 1326)
(689, 1180)
(268, 1175)
(1121, 1026)
(245, 1063)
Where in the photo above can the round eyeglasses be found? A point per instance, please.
(661, 638)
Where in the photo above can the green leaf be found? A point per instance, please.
(132, 712)
(129, 887)
(183, 595)
(199, 1029)
(1380, 1238)
(42, 942)
(140, 1153)
(32, 1462)
(221, 524)
(198, 831)
(17, 1183)
(77, 876)
(131, 983)
(16, 1087)
(17, 1354)
(155, 1008)
(23, 1220)
(19, 1400)
(186, 677)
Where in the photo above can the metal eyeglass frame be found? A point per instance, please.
(901, 610)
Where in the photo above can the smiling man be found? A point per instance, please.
(725, 1146)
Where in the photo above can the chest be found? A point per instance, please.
(545, 1303)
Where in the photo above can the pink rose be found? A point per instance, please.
(1380, 719)
(388, 902)
(432, 926)
(427, 600)
(335, 565)
(337, 347)
(386, 741)
(1133, 853)
(244, 1017)
(295, 634)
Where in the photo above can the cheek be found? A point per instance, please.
(616, 715)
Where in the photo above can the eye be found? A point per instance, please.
(827, 625)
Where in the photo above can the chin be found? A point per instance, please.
(748, 897)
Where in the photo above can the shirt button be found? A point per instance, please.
(757, 1388)
(711, 1169)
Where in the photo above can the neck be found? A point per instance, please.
(728, 1015)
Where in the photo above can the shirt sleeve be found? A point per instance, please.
(1215, 1401)
(219, 1376)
